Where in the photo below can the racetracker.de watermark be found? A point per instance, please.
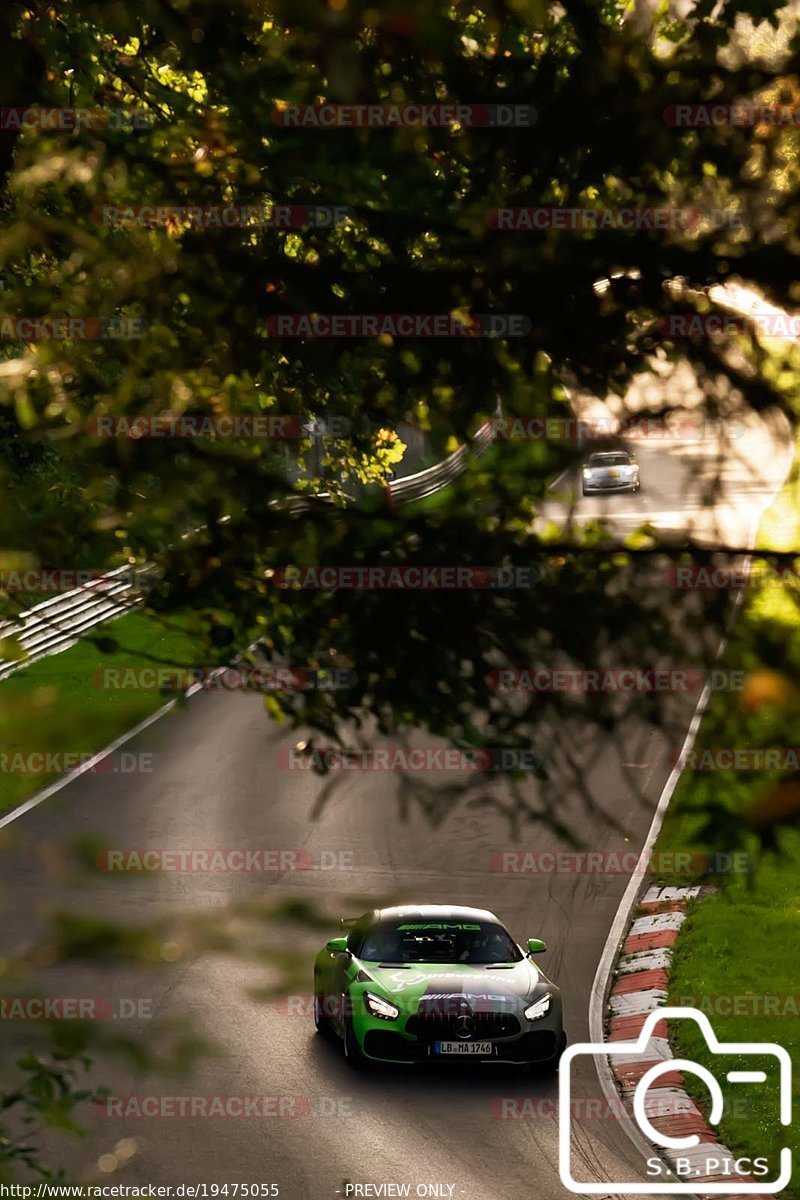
(486, 759)
(782, 325)
(742, 1004)
(234, 426)
(411, 115)
(739, 758)
(221, 216)
(669, 428)
(60, 762)
(706, 116)
(614, 220)
(62, 328)
(397, 577)
(70, 120)
(659, 864)
(590, 1108)
(209, 1107)
(67, 579)
(226, 679)
(75, 1008)
(398, 325)
(623, 680)
(304, 1005)
(220, 860)
(732, 577)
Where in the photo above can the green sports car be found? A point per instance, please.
(434, 983)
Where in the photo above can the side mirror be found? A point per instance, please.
(536, 946)
(336, 945)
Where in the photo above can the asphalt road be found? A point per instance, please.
(710, 478)
(216, 781)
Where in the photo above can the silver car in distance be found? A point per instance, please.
(610, 471)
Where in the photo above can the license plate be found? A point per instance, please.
(462, 1047)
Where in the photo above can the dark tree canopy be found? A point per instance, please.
(210, 86)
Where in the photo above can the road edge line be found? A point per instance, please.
(58, 784)
(619, 926)
(85, 767)
(601, 984)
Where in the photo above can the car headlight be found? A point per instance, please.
(588, 470)
(539, 1008)
(378, 1007)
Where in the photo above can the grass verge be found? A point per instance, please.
(57, 707)
(736, 961)
(736, 956)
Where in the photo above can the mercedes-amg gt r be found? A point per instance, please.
(431, 983)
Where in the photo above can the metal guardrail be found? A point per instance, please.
(416, 486)
(57, 624)
(425, 483)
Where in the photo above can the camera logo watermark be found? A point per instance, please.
(692, 1165)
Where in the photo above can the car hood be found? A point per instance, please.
(432, 984)
(611, 471)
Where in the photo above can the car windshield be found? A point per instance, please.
(609, 460)
(475, 942)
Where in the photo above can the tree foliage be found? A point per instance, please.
(211, 85)
(206, 82)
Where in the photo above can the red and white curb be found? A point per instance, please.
(640, 987)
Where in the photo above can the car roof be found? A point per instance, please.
(435, 912)
(610, 454)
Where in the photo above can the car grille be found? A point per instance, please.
(531, 1047)
(535, 1047)
(434, 1026)
(387, 1045)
